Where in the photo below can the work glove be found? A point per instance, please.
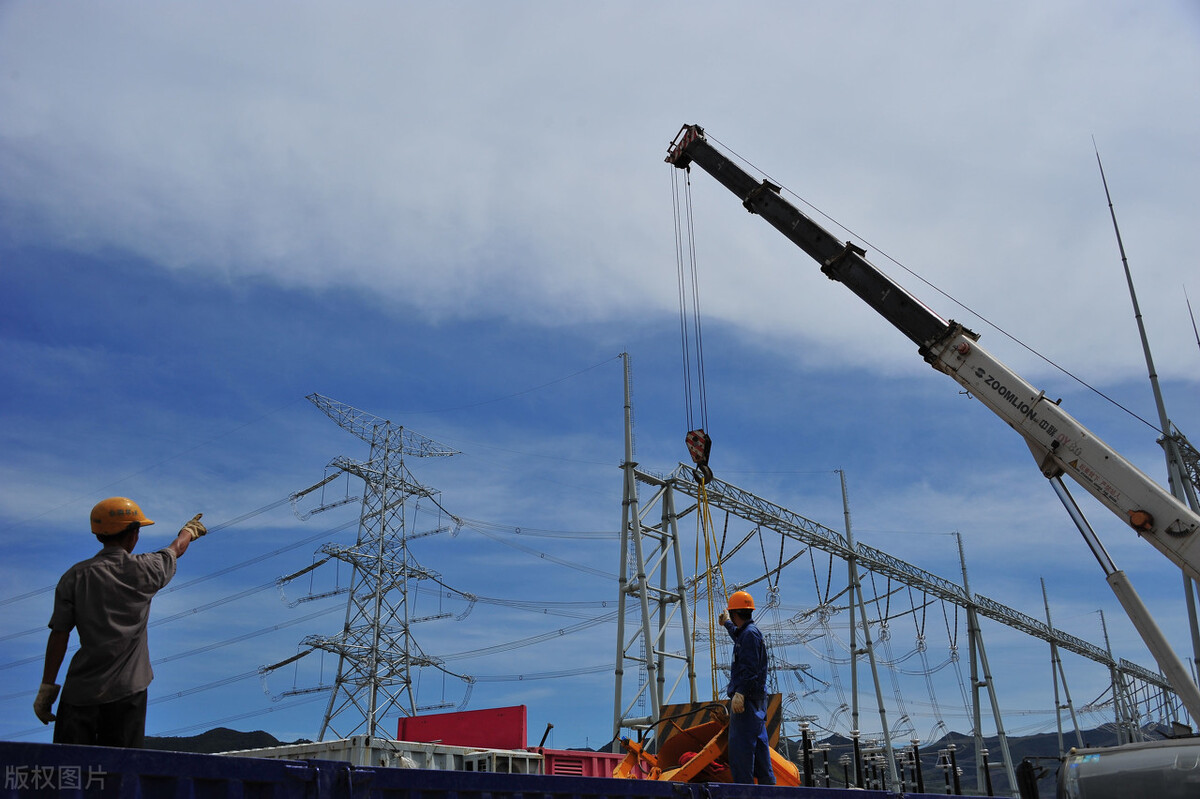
(195, 528)
(723, 618)
(738, 703)
(47, 693)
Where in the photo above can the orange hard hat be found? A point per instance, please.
(112, 515)
(740, 600)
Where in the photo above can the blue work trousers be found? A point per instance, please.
(749, 747)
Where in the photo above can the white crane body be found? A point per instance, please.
(1060, 444)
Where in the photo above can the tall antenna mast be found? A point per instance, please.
(1193, 316)
(1177, 473)
(376, 651)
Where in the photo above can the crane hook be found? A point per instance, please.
(699, 445)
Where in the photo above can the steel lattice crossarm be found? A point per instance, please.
(367, 426)
(1039, 629)
(352, 648)
(357, 643)
(759, 511)
(1189, 455)
(1079, 646)
(755, 509)
(371, 473)
(363, 557)
(1142, 673)
(880, 562)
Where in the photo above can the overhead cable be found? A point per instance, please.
(536, 639)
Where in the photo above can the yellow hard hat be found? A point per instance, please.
(740, 600)
(114, 514)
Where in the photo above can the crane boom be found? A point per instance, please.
(1059, 443)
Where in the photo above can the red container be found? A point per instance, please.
(573, 763)
(491, 728)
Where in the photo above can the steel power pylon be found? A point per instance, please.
(376, 649)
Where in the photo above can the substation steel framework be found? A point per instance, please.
(648, 549)
(376, 651)
(1133, 685)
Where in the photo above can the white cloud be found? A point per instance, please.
(473, 161)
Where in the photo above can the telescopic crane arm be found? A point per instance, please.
(1059, 443)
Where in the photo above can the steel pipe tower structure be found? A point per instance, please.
(651, 577)
(376, 651)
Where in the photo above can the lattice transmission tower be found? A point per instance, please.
(377, 654)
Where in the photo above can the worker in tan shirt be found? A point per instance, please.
(107, 598)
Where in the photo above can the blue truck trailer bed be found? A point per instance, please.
(44, 770)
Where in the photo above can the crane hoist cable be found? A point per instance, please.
(698, 441)
(713, 577)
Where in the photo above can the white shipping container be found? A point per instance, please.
(364, 750)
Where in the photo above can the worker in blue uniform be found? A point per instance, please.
(749, 747)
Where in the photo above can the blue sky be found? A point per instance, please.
(457, 217)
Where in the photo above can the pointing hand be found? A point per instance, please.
(195, 528)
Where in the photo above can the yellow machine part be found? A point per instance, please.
(695, 754)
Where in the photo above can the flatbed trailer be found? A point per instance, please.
(59, 770)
